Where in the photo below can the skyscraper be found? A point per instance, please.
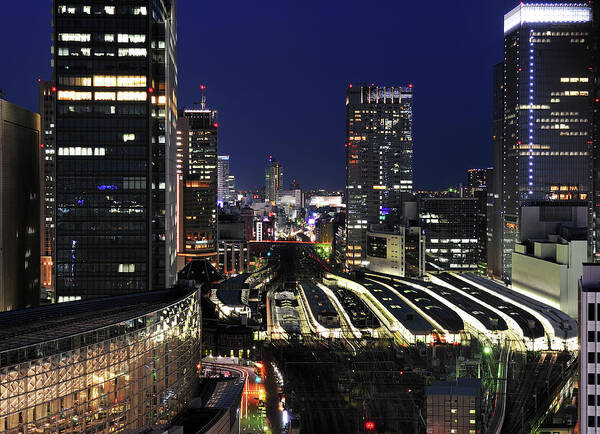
(547, 113)
(222, 173)
(226, 182)
(116, 80)
(197, 131)
(19, 207)
(379, 154)
(47, 102)
(273, 180)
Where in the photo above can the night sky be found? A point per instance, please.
(277, 72)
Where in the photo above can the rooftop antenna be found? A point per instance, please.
(203, 103)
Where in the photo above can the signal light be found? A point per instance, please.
(151, 89)
(53, 88)
(216, 125)
(370, 425)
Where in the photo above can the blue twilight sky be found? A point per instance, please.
(277, 72)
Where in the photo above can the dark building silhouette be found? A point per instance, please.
(19, 207)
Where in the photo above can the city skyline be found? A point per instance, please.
(251, 118)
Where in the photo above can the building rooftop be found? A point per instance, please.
(460, 387)
(21, 328)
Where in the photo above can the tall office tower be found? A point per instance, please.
(589, 354)
(198, 140)
(547, 112)
(594, 215)
(379, 167)
(273, 180)
(116, 78)
(47, 101)
(230, 188)
(19, 207)
(223, 174)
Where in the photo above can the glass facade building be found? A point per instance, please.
(104, 365)
(547, 112)
(379, 161)
(273, 180)
(451, 232)
(115, 78)
(197, 138)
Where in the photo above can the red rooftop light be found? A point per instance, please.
(410, 85)
(53, 88)
(202, 87)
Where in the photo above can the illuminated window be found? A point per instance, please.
(75, 81)
(133, 52)
(126, 268)
(77, 151)
(74, 37)
(128, 137)
(109, 37)
(71, 95)
(105, 80)
(109, 10)
(131, 81)
(131, 96)
(141, 10)
(105, 96)
(134, 39)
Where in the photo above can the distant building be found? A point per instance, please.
(379, 161)
(273, 180)
(222, 174)
(388, 251)
(234, 256)
(338, 246)
(19, 208)
(327, 200)
(477, 178)
(47, 102)
(103, 362)
(197, 133)
(547, 86)
(450, 226)
(292, 201)
(477, 188)
(225, 183)
(454, 407)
